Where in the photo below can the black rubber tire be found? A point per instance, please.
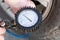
(53, 20)
(49, 23)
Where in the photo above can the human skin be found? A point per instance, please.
(18, 4)
(2, 32)
(15, 5)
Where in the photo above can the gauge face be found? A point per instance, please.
(27, 18)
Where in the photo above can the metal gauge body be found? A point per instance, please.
(28, 18)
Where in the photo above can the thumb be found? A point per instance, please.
(2, 31)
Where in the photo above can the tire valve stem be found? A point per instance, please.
(14, 23)
(2, 23)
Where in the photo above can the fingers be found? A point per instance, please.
(2, 31)
(18, 4)
(30, 4)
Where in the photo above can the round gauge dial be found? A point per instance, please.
(28, 17)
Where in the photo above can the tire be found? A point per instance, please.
(52, 21)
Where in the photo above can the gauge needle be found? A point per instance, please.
(28, 18)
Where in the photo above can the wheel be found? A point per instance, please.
(50, 17)
(43, 7)
(51, 23)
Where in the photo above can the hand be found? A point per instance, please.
(2, 32)
(18, 4)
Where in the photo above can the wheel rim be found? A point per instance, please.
(45, 3)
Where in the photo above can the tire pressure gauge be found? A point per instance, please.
(28, 18)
